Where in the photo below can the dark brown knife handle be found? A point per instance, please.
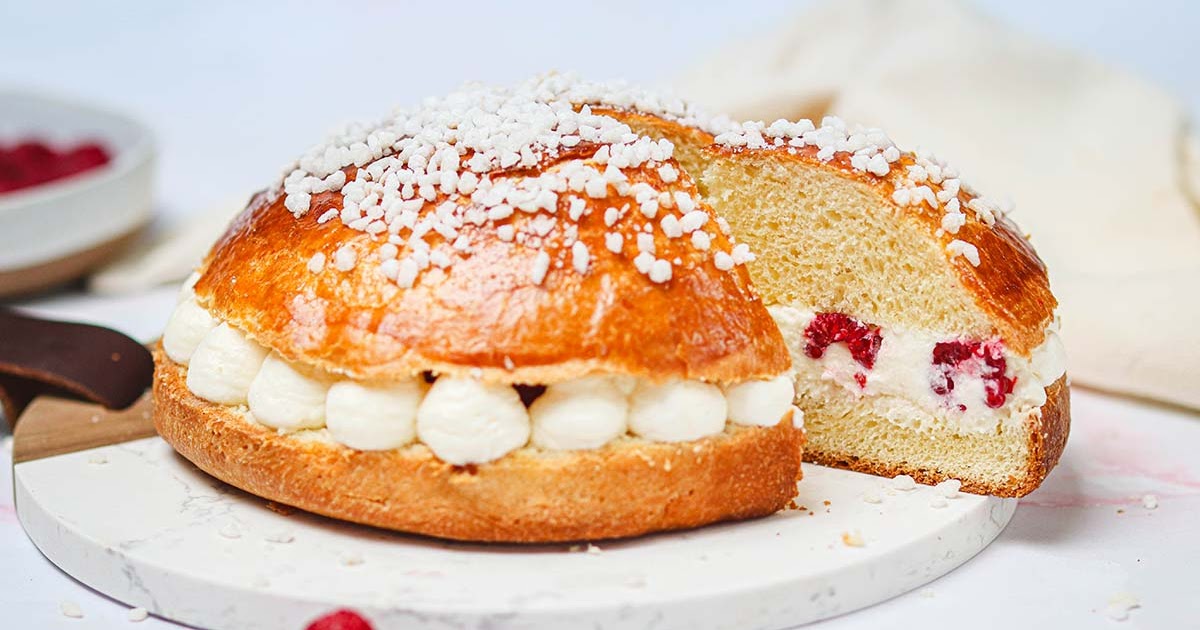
(39, 356)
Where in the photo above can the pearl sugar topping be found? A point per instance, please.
(425, 173)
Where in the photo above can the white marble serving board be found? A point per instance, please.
(140, 524)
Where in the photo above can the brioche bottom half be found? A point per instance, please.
(623, 489)
(1011, 462)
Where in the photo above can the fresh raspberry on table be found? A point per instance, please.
(341, 620)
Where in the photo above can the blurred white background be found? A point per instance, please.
(236, 90)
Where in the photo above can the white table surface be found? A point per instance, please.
(234, 92)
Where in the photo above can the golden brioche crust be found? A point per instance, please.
(1048, 434)
(623, 489)
(485, 315)
(1010, 283)
(1047, 430)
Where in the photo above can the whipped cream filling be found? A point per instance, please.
(467, 421)
(911, 386)
(187, 327)
(284, 397)
(677, 410)
(462, 420)
(585, 413)
(224, 366)
(374, 417)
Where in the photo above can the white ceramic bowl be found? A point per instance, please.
(56, 231)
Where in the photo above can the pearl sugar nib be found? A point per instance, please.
(70, 609)
(903, 483)
(853, 539)
(948, 489)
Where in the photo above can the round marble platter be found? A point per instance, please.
(140, 524)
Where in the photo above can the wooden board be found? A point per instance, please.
(53, 426)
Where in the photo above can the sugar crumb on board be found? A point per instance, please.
(230, 530)
(904, 483)
(70, 609)
(282, 537)
(1121, 605)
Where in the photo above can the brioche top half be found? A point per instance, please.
(509, 234)
(990, 257)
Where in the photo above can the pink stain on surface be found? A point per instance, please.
(1117, 452)
(1051, 500)
(1111, 461)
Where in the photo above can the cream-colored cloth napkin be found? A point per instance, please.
(170, 255)
(1099, 164)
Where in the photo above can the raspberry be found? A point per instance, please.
(340, 620)
(948, 357)
(826, 329)
(81, 158)
(33, 162)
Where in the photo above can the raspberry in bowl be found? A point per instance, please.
(32, 162)
(75, 187)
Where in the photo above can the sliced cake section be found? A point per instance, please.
(920, 320)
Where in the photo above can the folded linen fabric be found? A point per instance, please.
(1102, 167)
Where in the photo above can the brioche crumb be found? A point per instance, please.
(279, 508)
(1120, 605)
(853, 539)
